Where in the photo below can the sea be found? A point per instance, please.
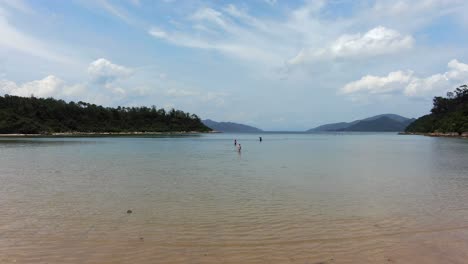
(292, 198)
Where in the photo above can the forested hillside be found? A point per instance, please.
(448, 115)
(30, 115)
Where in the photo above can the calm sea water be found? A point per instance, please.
(305, 198)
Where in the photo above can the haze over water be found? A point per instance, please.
(293, 198)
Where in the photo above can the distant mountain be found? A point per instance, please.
(230, 127)
(381, 124)
(378, 123)
(398, 118)
(332, 127)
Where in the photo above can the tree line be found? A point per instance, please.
(448, 115)
(31, 115)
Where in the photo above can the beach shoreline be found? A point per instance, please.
(437, 134)
(135, 133)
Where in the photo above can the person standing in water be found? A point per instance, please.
(239, 148)
(235, 142)
(260, 138)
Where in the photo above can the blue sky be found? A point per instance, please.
(279, 65)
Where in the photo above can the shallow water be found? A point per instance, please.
(299, 198)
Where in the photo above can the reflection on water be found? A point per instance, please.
(293, 198)
(39, 142)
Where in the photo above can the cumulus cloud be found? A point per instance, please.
(456, 75)
(106, 74)
(106, 85)
(103, 82)
(377, 41)
(236, 33)
(407, 83)
(375, 84)
(47, 87)
(103, 71)
(305, 34)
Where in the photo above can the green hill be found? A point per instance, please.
(381, 124)
(448, 115)
(378, 123)
(30, 115)
(230, 127)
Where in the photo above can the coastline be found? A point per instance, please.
(437, 134)
(134, 133)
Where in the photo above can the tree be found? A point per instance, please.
(38, 115)
(448, 114)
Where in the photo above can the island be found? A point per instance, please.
(31, 115)
(449, 116)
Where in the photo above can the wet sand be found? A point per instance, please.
(449, 245)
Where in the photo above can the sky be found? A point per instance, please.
(274, 64)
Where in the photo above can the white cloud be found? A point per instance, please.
(106, 86)
(408, 84)
(103, 71)
(103, 84)
(234, 32)
(459, 71)
(158, 33)
(377, 41)
(374, 84)
(47, 87)
(107, 75)
(442, 82)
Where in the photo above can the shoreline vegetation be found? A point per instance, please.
(448, 118)
(47, 116)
